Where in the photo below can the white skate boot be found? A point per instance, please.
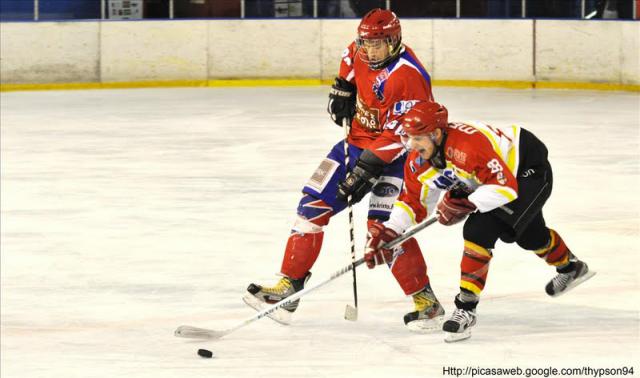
(458, 327)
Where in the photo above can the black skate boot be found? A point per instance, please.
(260, 297)
(463, 318)
(569, 277)
(428, 314)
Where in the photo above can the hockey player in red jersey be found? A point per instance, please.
(496, 179)
(380, 79)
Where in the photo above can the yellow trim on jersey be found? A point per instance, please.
(427, 175)
(489, 135)
(495, 143)
(478, 249)
(424, 195)
(507, 193)
(407, 209)
(512, 156)
(469, 286)
(464, 174)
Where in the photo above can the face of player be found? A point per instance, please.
(424, 143)
(377, 50)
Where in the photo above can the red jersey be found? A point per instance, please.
(481, 159)
(384, 95)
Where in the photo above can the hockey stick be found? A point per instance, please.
(350, 312)
(204, 333)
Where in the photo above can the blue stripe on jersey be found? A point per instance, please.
(405, 55)
(424, 73)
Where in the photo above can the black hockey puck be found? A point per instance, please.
(205, 353)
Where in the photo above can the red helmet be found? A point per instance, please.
(424, 117)
(379, 24)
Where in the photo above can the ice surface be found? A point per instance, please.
(126, 213)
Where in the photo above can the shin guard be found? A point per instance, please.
(474, 267)
(301, 253)
(305, 241)
(410, 269)
(555, 252)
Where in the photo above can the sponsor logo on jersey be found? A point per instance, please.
(401, 107)
(381, 206)
(457, 155)
(501, 179)
(367, 117)
(446, 180)
(385, 189)
(322, 175)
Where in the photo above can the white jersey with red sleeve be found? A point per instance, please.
(480, 159)
(384, 95)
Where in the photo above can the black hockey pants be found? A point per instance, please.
(520, 221)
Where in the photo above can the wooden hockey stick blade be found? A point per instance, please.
(351, 313)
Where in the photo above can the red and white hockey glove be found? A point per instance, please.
(377, 236)
(453, 210)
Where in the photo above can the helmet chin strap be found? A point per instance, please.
(437, 159)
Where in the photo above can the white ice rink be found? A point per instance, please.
(126, 213)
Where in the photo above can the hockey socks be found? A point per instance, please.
(409, 268)
(555, 252)
(474, 267)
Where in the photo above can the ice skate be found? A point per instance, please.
(428, 314)
(458, 327)
(579, 272)
(260, 297)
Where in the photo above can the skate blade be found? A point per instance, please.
(280, 315)
(426, 325)
(456, 337)
(575, 283)
(351, 313)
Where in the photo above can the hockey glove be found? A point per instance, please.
(378, 235)
(453, 210)
(360, 181)
(342, 101)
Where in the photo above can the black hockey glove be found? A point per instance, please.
(342, 101)
(359, 181)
